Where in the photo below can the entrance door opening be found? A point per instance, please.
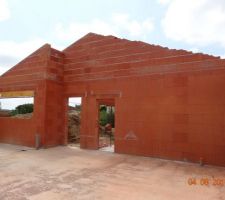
(74, 121)
(106, 125)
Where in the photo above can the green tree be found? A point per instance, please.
(106, 117)
(103, 116)
(111, 117)
(23, 109)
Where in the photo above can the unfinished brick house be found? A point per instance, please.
(169, 103)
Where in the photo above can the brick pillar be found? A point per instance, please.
(89, 123)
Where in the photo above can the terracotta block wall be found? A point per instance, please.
(169, 103)
(41, 72)
(173, 116)
(26, 75)
(17, 131)
(52, 105)
(182, 120)
(54, 115)
(89, 121)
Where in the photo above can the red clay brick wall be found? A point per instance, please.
(174, 116)
(173, 119)
(26, 75)
(54, 115)
(17, 131)
(89, 124)
(52, 102)
(36, 72)
(170, 103)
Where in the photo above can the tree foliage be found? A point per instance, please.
(23, 109)
(106, 117)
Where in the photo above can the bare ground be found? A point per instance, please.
(71, 173)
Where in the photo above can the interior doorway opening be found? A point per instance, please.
(74, 121)
(106, 131)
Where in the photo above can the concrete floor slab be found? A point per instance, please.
(72, 173)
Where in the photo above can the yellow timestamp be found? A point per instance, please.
(206, 181)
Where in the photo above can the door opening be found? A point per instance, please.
(106, 130)
(74, 121)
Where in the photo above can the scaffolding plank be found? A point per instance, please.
(17, 94)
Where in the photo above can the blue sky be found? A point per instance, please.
(188, 24)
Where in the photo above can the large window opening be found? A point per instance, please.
(17, 107)
(74, 121)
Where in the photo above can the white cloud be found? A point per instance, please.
(118, 25)
(4, 10)
(20, 50)
(200, 22)
(76, 29)
(123, 23)
(3, 70)
(12, 52)
(163, 2)
(194, 49)
(222, 56)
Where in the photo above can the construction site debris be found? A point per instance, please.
(23, 116)
(73, 126)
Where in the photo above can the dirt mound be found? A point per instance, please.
(73, 126)
(5, 113)
(23, 116)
